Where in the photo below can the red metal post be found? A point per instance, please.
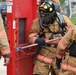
(20, 12)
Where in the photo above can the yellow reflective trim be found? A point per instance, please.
(51, 9)
(44, 59)
(42, 5)
(50, 3)
(45, 7)
(68, 67)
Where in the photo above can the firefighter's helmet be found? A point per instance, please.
(47, 13)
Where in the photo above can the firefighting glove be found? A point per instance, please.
(58, 61)
(40, 42)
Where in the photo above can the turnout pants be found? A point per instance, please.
(45, 66)
(68, 66)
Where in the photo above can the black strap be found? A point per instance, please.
(37, 52)
(61, 23)
(72, 49)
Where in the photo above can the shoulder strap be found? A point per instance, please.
(60, 17)
(61, 23)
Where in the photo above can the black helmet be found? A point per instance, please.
(47, 13)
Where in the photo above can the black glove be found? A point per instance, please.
(40, 42)
(7, 56)
(58, 61)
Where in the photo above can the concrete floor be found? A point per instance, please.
(2, 68)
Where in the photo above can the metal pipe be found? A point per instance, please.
(20, 48)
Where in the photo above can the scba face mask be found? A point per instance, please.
(47, 19)
(47, 13)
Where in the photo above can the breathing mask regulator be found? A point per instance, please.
(47, 13)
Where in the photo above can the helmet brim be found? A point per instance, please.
(56, 6)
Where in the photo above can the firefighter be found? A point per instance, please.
(46, 27)
(4, 45)
(67, 44)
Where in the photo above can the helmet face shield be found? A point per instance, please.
(46, 19)
(47, 13)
